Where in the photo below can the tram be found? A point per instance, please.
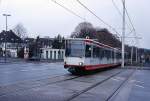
(87, 55)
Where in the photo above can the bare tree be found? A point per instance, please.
(106, 37)
(20, 31)
(83, 30)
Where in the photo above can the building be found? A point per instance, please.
(52, 54)
(48, 51)
(42, 48)
(11, 42)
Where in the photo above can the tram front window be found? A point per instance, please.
(74, 48)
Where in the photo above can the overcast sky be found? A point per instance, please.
(45, 18)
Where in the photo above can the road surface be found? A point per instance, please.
(51, 82)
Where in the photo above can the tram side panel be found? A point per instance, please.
(99, 57)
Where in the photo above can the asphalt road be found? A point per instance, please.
(51, 82)
(18, 72)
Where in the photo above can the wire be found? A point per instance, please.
(67, 9)
(136, 38)
(97, 16)
(129, 18)
(130, 21)
(0, 2)
(118, 10)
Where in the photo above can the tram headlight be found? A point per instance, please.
(81, 63)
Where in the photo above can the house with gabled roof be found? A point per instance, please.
(12, 43)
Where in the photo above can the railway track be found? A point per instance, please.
(35, 84)
(21, 86)
(64, 78)
(98, 83)
(119, 87)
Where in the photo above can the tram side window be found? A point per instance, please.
(113, 53)
(108, 54)
(88, 51)
(105, 53)
(118, 56)
(95, 51)
(101, 53)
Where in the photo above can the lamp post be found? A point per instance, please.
(6, 15)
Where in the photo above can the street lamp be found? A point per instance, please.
(6, 15)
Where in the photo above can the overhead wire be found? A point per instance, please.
(136, 38)
(118, 10)
(113, 2)
(129, 18)
(67, 9)
(131, 22)
(0, 2)
(101, 20)
(133, 28)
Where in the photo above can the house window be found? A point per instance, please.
(59, 54)
(50, 54)
(54, 54)
(46, 54)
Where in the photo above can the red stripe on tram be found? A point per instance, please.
(92, 67)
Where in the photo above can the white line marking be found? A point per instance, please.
(24, 70)
(115, 79)
(139, 86)
(136, 81)
(139, 81)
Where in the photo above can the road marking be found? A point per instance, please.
(120, 78)
(24, 70)
(115, 79)
(136, 81)
(139, 86)
(139, 81)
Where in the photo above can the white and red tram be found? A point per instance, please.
(87, 54)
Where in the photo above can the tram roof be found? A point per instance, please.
(94, 41)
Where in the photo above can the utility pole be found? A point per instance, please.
(131, 55)
(123, 34)
(6, 15)
(136, 54)
(137, 50)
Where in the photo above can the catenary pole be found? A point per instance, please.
(123, 35)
